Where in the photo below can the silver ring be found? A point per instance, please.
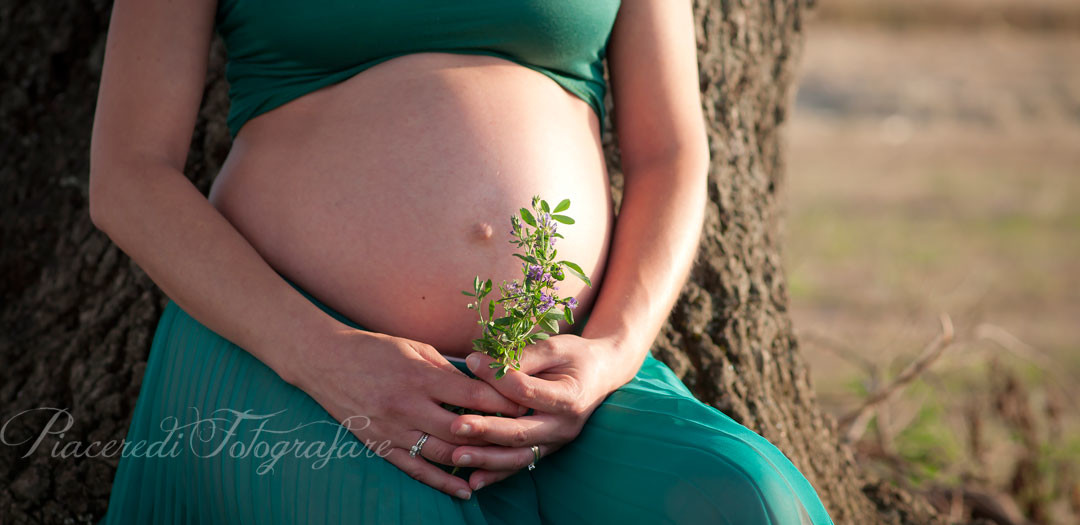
(419, 445)
(536, 457)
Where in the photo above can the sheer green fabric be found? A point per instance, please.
(651, 453)
(279, 51)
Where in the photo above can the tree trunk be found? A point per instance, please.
(79, 316)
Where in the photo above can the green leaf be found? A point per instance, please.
(576, 270)
(544, 206)
(526, 258)
(553, 314)
(500, 373)
(540, 336)
(467, 293)
(563, 219)
(549, 325)
(528, 218)
(476, 284)
(491, 309)
(487, 286)
(569, 314)
(559, 235)
(503, 321)
(563, 205)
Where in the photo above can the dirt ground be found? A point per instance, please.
(936, 169)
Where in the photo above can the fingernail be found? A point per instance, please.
(463, 494)
(472, 362)
(480, 485)
(465, 429)
(464, 459)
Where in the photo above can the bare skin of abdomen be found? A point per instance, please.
(385, 195)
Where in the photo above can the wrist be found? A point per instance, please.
(620, 361)
(621, 339)
(313, 339)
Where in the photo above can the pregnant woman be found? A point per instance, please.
(379, 149)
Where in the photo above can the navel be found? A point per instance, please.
(481, 231)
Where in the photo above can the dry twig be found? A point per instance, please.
(909, 374)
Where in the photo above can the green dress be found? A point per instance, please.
(220, 433)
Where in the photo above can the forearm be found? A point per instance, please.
(656, 237)
(159, 219)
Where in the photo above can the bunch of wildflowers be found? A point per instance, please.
(530, 304)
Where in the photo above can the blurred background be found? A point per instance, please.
(933, 164)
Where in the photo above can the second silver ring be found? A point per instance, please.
(536, 456)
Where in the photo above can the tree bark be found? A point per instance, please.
(79, 316)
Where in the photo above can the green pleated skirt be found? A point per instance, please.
(225, 440)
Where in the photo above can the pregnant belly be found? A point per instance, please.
(386, 194)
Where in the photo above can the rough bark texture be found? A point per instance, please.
(78, 316)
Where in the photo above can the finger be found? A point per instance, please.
(511, 432)
(419, 469)
(541, 394)
(483, 478)
(496, 458)
(541, 356)
(435, 420)
(435, 449)
(464, 391)
(434, 357)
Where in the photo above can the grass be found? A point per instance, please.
(960, 198)
(1031, 15)
(930, 446)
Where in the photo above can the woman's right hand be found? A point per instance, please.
(394, 387)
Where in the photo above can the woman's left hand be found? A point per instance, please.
(563, 379)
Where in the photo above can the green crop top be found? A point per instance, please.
(279, 50)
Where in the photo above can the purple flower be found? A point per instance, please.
(570, 303)
(534, 272)
(546, 301)
(546, 223)
(513, 287)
